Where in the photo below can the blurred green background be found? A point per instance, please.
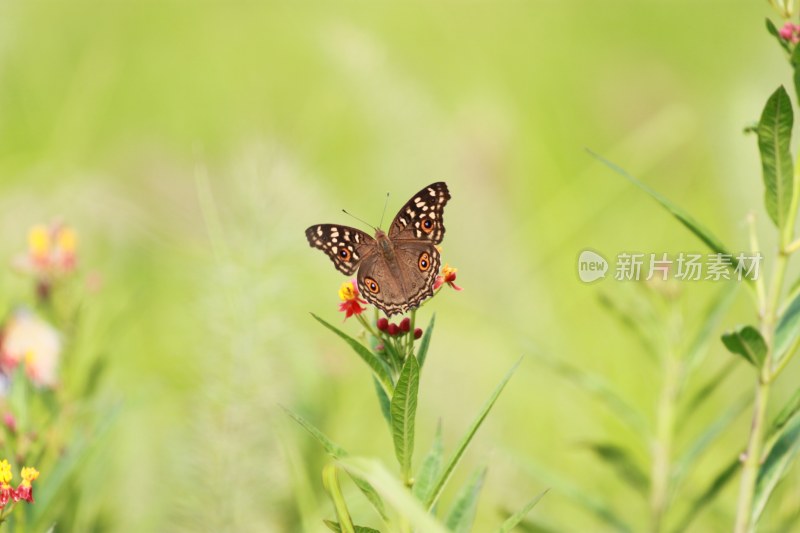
(191, 143)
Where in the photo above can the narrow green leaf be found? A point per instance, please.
(710, 493)
(601, 391)
(331, 483)
(747, 342)
(444, 476)
(334, 526)
(630, 320)
(383, 401)
(622, 463)
(378, 367)
(425, 342)
(337, 452)
(712, 319)
(709, 387)
(431, 465)
(787, 413)
(774, 32)
(520, 515)
(704, 440)
(787, 330)
(683, 217)
(404, 412)
(462, 513)
(394, 492)
(591, 503)
(795, 60)
(774, 139)
(775, 466)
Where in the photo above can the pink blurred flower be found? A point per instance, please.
(33, 342)
(52, 253)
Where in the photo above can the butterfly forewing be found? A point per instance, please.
(421, 217)
(346, 246)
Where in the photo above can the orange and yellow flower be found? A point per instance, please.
(351, 303)
(447, 276)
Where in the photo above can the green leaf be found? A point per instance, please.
(631, 320)
(462, 514)
(330, 480)
(394, 492)
(787, 330)
(601, 391)
(334, 526)
(517, 517)
(622, 463)
(378, 367)
(431, 465)
(774, 32)
(708, 389)
(747, 342)
(704, 440)
(710, 493)
(591, 503)
(337, 452)
(786, 414)
(404, 411)
(425, 342)
(444, 476)
(774, 139)
(383, 400)
(713, 317)
(683, 217)
(775, 466)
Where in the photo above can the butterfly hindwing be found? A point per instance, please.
(421, 217)
(346, 246)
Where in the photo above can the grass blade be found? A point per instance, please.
(444, 476)
(430, 468)
(462, 514)
(520, 515)
(336, 528)
(774, 139)
(394, 492)
(425, 343)
(383, 401)
(683, 217)
(404, 411)
(713, 317)
(378, 367)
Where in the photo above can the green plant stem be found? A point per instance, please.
(752, 462)
(756, 249)
(331, 483)
(662, 446)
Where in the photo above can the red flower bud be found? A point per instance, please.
(418, 333)
(405, 325)
(393, 329)
(383, 324)
(380, 348)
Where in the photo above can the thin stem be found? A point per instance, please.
(752, 462)
(662, 452)
(331, 483)
(756, 249)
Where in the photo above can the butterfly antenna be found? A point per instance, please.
(359, 219)
(385, 203)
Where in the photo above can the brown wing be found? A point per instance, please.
(421, 217)
(346, 246)
(397, 286)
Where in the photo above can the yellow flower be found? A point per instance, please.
(5, 472)
(39, 243)
(28, 474)
(348, 291)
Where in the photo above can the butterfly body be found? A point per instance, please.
(396, 270)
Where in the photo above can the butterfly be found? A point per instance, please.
(396, 270)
